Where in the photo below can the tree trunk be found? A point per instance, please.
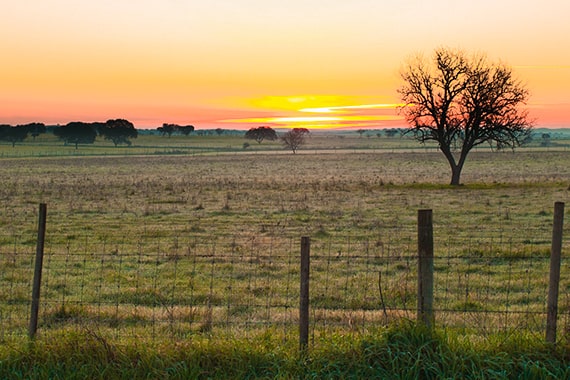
(455, 175)
(454, 166)
(456, 170)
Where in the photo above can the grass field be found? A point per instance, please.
(175, 196)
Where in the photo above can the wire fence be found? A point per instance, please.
(177, 286)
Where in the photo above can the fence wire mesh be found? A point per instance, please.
(176, 286)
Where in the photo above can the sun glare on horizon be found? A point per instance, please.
(357, 107)
(287, 112)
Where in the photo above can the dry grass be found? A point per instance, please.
(241, 193)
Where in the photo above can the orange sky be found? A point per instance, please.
(244, 63)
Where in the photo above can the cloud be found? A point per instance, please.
(350, 108)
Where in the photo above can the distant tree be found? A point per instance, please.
(76, 133)
(4, 131)
(461, 102)
(13, 134)
(295, 138)
(167, 129)
(219, 131)
(97, 127)
(119, 131)
(545, 139)
(170, 129)
(261, 133)
(35, 129)
(391, 132)
(361, 132)
(527, 139)
(185, 129)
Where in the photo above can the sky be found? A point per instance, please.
(246, 63)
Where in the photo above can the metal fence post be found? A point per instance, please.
(554, 283)
(425, 267)
(304, 299)
(38, 271)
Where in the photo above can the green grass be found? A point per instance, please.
(402, 351)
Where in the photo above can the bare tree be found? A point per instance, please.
(463, 101)
(295, 138)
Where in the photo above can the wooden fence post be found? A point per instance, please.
(304, 299)
(553, 286)
(425, 267)
(38, 271)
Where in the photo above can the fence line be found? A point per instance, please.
(178, 286)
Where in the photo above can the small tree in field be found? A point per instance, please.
(461, 102)
(295, 138)
(261, 133)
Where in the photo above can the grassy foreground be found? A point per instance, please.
(404, 351)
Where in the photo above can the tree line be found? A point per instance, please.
(119, 131)
(169, 129)
(19, 133)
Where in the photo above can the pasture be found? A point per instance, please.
(182, 237)
(348, 187)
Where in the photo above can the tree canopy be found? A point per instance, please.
(36, 129)
(185, 129)
(166, 129)
(20, 132)
(261, 133)
(77, 133)
(169, 129)
(119, 131)
(462, 101)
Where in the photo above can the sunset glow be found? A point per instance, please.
(345, 108)
(244, 63)
(320, 121)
